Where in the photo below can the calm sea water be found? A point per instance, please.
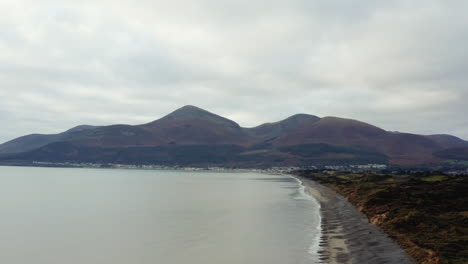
(100, 216)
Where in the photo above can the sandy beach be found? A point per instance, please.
(347, 236)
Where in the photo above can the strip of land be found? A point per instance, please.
(425, 213)
(347, 236)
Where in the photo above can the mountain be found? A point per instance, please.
(33, 141)
(191, 136)
(401, 148)
(191, 125)
(185, 126)
(332, 130)
(448, 141)
(271, 131)
(454, 154)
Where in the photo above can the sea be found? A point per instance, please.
(118, 216)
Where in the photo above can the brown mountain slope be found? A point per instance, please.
(402, 148)
(191, 125)
(448, 141)
(113, 136)
(453, 154)
(188, 125)
(332, 130)
(33, 141)
(272, 130)
(299, 139)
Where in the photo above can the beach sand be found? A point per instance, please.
(347, 235)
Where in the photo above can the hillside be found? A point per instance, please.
(191, 125)
(401, 148)
(448, 141)
(34, 141)
(196, 137)
(426, 214)
(458, 153)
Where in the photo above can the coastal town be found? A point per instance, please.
(377, 168)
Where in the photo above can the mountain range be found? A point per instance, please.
(191, 136)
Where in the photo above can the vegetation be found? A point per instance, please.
(457, 162)
(434, 178)
(426, 214)
(169, 155)
(330, 154)
(300, 140)
(460, 153)
(258, 156)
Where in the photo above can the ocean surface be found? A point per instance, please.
(110, 216)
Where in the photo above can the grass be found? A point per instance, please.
(434, 178)
(427, 214)
(458, 162)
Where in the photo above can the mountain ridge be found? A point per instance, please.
(297, 140)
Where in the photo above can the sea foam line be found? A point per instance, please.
(314, 248)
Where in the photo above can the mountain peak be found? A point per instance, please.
(448, 141)
(190, 107)
(80, 128)
(302, 118)
(189, 110)
(191, 135)
(292, 123)
(190, 113)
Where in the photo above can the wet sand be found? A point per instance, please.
(347, 235)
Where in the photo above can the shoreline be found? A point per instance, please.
(346, 236)
(315, 246)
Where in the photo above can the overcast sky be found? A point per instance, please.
(400, 65)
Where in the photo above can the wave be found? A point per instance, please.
(314, 247)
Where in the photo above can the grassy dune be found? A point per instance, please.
(426, 214)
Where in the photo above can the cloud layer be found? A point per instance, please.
(400, 65)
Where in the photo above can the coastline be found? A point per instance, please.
(346, 234)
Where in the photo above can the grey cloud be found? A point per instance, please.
(396, 64)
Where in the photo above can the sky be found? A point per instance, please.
(399, 65)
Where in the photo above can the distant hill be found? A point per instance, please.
(191, 125)
(191, 136)
(448, 141)
(270, 131)
(400, 148)
(33, 141)
(453, 153)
